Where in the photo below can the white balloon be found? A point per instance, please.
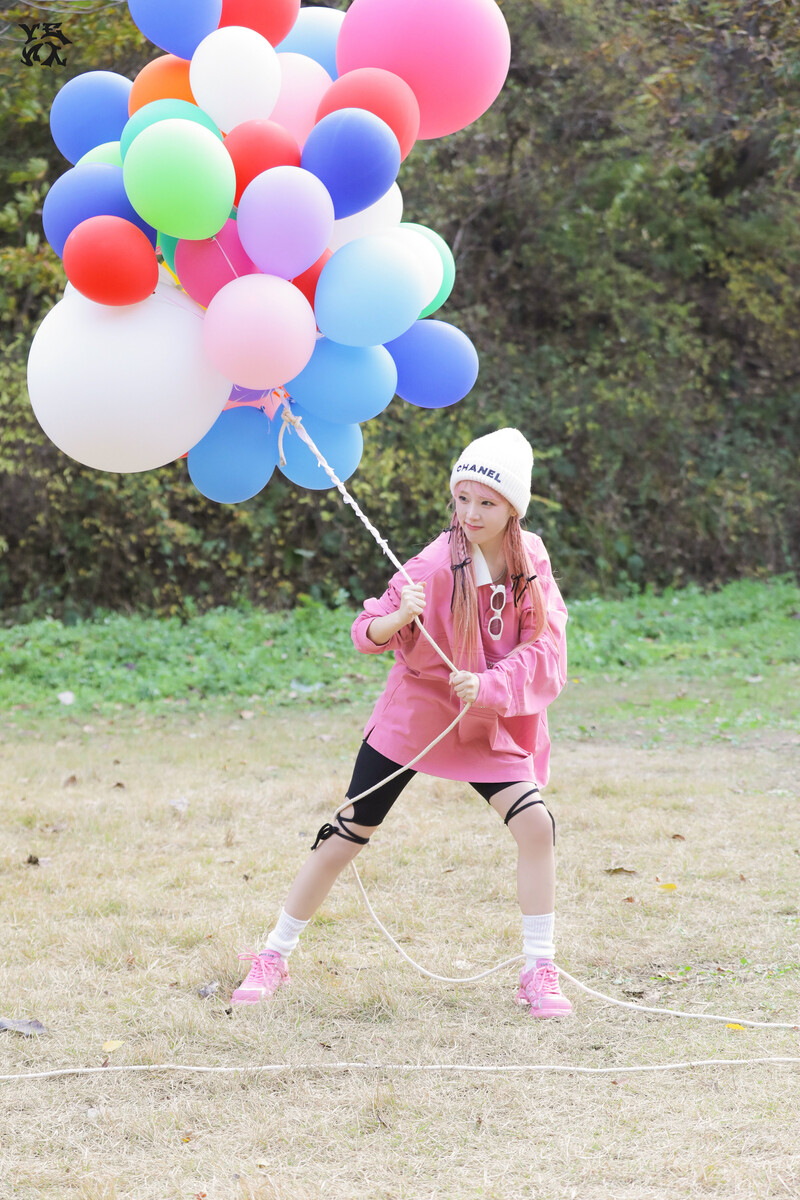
(426, 257)
(385, 212)
(235, 76)
(125, 388)
(303, 84)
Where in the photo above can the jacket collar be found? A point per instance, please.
(480, 567)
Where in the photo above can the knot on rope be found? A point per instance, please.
(289, 418)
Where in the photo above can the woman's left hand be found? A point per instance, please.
(465, 685)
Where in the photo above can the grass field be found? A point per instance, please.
(143, 846)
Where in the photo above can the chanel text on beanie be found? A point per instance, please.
(503, 460)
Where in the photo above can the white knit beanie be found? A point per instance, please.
(503, 460)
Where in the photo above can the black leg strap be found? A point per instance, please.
(519, 805)
(340, 830)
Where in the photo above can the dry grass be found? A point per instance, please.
(134, 905)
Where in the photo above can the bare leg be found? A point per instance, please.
(321, 869)
(536, 868)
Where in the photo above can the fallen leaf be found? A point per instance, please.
(743, 877)
(733, 1025)
(247, 714)
(668, 887)
(628, 900)
(70, 780)
(678, 837)
(208, 989)
(619, 871)
(32, 860)
(26, 1028)
(109, 1046)
(118, 784)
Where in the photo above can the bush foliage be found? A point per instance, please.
(625, 224)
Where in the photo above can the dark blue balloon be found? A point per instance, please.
(177, 26)
(356, 155)
(345, 384)
(236, 458)
(88, 190)
(341, 446)
(437, 364)
(89, 110)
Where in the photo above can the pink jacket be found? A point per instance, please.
(503, 737)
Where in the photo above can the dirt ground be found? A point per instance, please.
(137, 858)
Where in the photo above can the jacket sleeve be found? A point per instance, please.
(528, 680)
(388, 603)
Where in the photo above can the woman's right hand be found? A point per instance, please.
(412, 603)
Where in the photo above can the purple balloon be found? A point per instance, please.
(285, 221)
(89, 190)
(90, 109)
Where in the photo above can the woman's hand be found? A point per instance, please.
(412, 603)
(465, 685)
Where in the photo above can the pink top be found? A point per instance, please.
(503, 737)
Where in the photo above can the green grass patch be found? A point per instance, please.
(726, 660)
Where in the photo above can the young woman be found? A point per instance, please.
(486, 594)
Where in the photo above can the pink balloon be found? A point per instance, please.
(285, 220)
(454, 54)
(303, 84)
(262, 328)
(204, 267)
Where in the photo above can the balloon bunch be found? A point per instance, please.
(232, 234)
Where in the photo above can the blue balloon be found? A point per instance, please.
(163, 110)
(314, 34)
(437, 364)
(341, 445)
(345, 384)
(177, 26)
(236, 458)
(356, 155)
(369, 292)
(89, 190)
(88, 110)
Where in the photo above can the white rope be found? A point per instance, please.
(405, 1068)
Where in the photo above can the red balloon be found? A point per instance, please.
(255, 146)
(380, 92)
(271, 18)
(111, 261)
(307, 282)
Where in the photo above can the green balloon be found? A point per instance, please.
(167, 245)
(163, 110)
(448, 263)
(106, 152)
(180, 178)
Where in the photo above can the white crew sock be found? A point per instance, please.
(286, 934)
(537, 938)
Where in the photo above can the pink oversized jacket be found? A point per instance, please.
(503, 738)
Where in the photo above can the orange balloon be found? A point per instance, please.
(165, 78)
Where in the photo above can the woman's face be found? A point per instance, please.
(482, 513)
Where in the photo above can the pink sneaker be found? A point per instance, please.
(539, 989)
(267, 973)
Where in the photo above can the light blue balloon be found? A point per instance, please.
(345, 384)
(177, 26)
(236, 458)
(314, 34)
(341, 446)
(437, 364)
(88, 110)
(369, 292)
